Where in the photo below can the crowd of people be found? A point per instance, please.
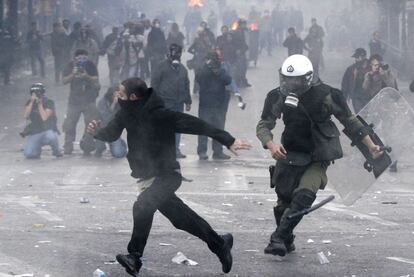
(150, 91)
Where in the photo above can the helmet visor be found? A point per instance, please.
(295, 84)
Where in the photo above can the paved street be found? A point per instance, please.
(46, 231)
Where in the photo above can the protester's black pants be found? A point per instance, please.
(161, 196)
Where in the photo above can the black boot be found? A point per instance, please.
(276, 246)
(132, 263)
(289, 243)
(301, 200)
(224, 254)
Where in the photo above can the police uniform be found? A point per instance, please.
(311, 140)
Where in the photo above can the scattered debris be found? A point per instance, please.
(165, 244)
(347, 245)
(390, 202)
(310, 241)
(251, 182)
(329, 253)
(251, 250)
(322, 258)
(59, 226)
(98, 273)
(371, 230)
(180, 258)
(260, 203)
(326, 241)
(84, 200)
(27, 172)
(43, 241)
(271, 200)
(227, 182)
(373, 213)
(38, 225)
(227, 204)
(110, 262)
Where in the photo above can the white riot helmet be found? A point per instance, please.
(296, 75)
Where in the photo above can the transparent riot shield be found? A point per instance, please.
(393, 121)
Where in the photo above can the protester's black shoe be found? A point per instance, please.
(276, 247)
(224, 254)
(202, 156)
(180, 155)
(131, 264)
(221, 156)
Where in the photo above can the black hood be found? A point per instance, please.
(153, 102)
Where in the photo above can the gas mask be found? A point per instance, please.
(175, 55)
(293, 87)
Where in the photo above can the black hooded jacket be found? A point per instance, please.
(151, 136)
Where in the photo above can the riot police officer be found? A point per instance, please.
(310, 142)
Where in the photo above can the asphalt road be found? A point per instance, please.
(46, 231)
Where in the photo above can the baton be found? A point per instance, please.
(311, 209)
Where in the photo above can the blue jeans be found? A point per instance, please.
(118, 148)
(34, 143)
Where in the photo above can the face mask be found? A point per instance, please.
(129, 105)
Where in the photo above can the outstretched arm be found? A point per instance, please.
(188, 124)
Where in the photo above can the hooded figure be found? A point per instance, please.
(151, 132)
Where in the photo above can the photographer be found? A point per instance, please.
(42, 128)
(213, 104)
(378, 78)
(108, 106)
(82, 75)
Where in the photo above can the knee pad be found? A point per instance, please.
(303, 199)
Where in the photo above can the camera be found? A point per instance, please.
(38, 89)
(80, 68)
(385, 66)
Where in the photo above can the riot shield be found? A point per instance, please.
(392, 119)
